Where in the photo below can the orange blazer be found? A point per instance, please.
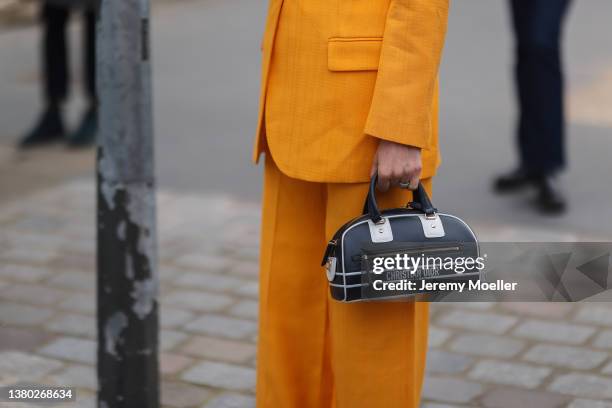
(340, 74)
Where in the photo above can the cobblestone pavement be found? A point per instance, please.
(482, 354)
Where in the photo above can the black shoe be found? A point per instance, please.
(49, 129)
(513, 181)
(550, 200)
(85, 134)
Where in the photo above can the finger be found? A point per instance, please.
(384, 182)
(403, 178)
(414, 182)
(374, 166)
(396, 178)
(405, 182)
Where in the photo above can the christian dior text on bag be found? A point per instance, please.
(377, 255)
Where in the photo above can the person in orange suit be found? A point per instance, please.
(349, 88)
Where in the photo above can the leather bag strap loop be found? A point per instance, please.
(420, 201)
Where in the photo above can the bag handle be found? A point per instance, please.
(420, 201)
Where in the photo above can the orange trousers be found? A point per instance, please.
(315, 352)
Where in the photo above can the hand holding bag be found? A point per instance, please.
(376, 256)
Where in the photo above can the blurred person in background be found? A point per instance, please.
(539, 81)
(50, 126)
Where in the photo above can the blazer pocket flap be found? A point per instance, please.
(353, 54)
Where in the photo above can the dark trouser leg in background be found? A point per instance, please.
(55, 75)
(539, 80)
(85, 133)
(89, 55)
(55, 53)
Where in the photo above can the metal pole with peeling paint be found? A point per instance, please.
(128, 374)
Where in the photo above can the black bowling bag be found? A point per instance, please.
(376, 256)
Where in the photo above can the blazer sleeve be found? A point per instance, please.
(401, 108)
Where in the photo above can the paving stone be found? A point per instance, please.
(171, 363)
(247, 269)
(583, 385)
(23, 315)
(603, 340)
(519, 397)
(584, 403)
(242, 229)
(250, 289)
(555, 332)
(436, 405)
(487, 345)
(221, 375)
(74, 280)
(444, 362)
(83, 227)
(79, 376)
(499, 372)
(224, 326)
(39, 256)
(210, 281)
(84, 400)
(13, 338)
(83, 233)
(22, 273)
(450, 390)
(73, 324)
(8, 213)
(201, 301)
(26, 366)
(80, 303)
(165, 288)
(484, 322)
(226, 350)
(43, 224)
(171, 317)
(22, 404)
(539, 309)
(170, 273)
(247, 309)
(565, 356)
(33, 294)
(19, 239)
(474, 305)
(203, 262)
(75, 261)
(600, 314)
(607, 369)
(249, 253)
(72, 349)
(169, 339)
(437, 336)
(180, 395)
(230, 400)
(85, 246)
(172, 244)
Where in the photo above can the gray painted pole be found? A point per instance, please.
(127, 259)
